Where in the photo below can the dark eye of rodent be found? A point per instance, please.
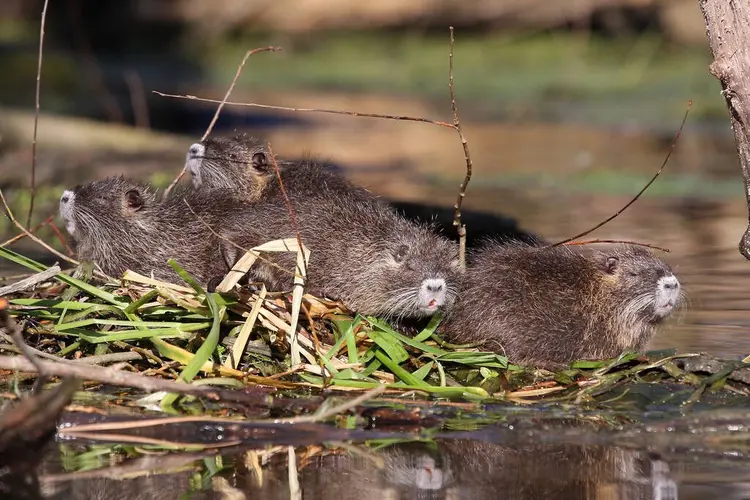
(401, 253)
(259, 159)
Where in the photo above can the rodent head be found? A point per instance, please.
(89, 209)
(418, 275)
(648, 289)
(241, 164)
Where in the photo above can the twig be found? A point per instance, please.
(100, 359)
(288, 202)
(107, 376)
(309, 110)
(138, 102)
(21, 236)
(235, 245)
(221, 106)
(49, 221)
(352, 403)
(28, 234)
(31, 281)
(625, 242)
(456, 125)
(460, 228)
(648, 184)
(36, 112)
(60, 237)
(16, 335)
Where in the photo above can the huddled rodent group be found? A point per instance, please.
(543, 306)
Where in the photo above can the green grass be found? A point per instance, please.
(185, 325)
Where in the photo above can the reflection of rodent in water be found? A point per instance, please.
(465, 468)
(119, 224)
(362, 252)
(240, 164)
(550, 306)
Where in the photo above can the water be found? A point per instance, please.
(557, 180)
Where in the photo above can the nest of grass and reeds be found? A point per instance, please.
(249, 336)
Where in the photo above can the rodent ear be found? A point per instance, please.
(611, 264)
(259, 161)
(134, 200)
(400, 253)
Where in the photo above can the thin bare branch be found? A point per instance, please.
(460, 228)
(310, 110)
(648, 184)
(336, 410)
(7, 323)
(106, 376)
(625, 242)
(288, 202)
(31, 281)
(36, 112)
(221, 106)
(235, 245)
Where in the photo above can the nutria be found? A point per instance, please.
(120, 224)
(362, 252)
(240, 165)
(550, 306)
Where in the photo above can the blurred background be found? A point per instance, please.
(569, 106)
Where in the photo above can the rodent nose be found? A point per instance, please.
(66, 196)
(196, 150)
(670, 283)
(434, 285)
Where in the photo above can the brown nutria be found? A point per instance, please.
(120, 224)
(362, 252)
(551, 306)
(240, 165)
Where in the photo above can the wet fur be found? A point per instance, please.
(354, 239)
(551, 306)
(117, 238)
(227, 164)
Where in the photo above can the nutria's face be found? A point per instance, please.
(233, 163)
(652, 290)
(420, 276)
(90, 208)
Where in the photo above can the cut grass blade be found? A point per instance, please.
(97, 337)
(235, 355)
(81, 285)
(389, 345)
(135, 324)
(204, 352)
(429, 330)
(385, 328)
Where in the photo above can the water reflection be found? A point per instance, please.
(444, 469)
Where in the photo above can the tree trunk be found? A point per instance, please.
(728, 30)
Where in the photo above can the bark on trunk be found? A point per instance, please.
(728, 30)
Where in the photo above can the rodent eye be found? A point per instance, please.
(259, 160)
(401, 253)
